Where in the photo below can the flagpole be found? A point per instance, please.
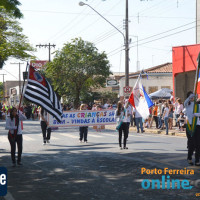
(23, 88)
(195, 108)
(197, 74)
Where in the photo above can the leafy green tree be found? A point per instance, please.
(1, 91)
(11, 6)
(12, 41)
(78, 68)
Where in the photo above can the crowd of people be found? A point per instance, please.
(164, 114)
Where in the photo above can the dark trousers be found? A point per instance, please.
(123, 128)
(156, 120)
(83, 131)
(194, 144)
(45, 131)
(128, 126)
(18, 139)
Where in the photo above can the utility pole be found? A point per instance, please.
(126, 38)
(3, 88)
(19, 76)
(126, 47)
(47, 46)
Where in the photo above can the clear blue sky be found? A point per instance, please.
(60, 21)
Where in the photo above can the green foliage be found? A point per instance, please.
(11, 7)
(1, 91)
(12, 42)
(78, 68)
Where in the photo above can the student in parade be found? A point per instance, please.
(193, 140)
(165, 116)
(128, 114)
(13, 124)
(138, 120)
(120, 116)
(83, 130)
(46, 131)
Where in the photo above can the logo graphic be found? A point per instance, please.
(38, 77)
(3, 181)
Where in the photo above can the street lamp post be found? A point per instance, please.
(126, 39)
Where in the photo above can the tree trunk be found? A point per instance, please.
(77, 100)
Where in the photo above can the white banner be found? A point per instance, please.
(84, 118)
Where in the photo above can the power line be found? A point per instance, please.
(153, 40)
(81, 31)
(47, 46)
(158, 34)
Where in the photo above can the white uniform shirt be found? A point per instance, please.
(10, 124)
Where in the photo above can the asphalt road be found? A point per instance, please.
(66, 169)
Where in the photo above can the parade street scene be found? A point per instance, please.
(99, 100)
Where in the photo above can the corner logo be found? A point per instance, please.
(3, 181)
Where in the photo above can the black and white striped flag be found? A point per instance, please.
(40, 92)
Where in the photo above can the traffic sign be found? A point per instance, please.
(127, 90)
(111, 83)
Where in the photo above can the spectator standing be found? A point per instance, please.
(155, 114)
(170, 116)
(165, 116)
(178, 109)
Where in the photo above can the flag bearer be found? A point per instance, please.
(193, 139)
(13, 124)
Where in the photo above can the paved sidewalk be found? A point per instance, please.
(153, 130)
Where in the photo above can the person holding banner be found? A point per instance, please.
(120, 116)
(46, 131)
(83, 130)
(13, 124)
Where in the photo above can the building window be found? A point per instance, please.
(153, 89)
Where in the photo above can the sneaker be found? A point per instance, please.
(125, 147)
(138, 131)
(197, 163)
(143, 131)
(48, 141)
(80, 141)
(120, 148)
(44, 143)
(13, 164)
(19, 163)
(85, 141)
(190, 162)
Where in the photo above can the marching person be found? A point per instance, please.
(13, 124)
(83, 130)
(120, 116)
(193, 142)
(46, 131)
(138, 120)
(128, 114)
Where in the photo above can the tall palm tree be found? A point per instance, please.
(11, 6)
